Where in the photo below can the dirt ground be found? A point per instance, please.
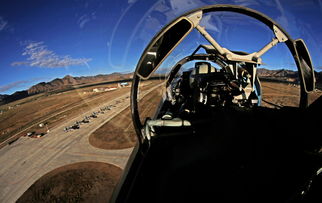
(119, 132)
(276, 95)
(79, 182)
(95, 182)
(24, 115)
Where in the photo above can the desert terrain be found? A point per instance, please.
(22, 116)
(28, 159)
(119, 133)
(277, 95)
(95, 181)
(79, 164)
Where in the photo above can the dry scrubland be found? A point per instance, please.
(80, 182)
(22, 116)
(120, 133)
(95, 181)
(276, 95)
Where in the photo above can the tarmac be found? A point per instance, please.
(28, 159)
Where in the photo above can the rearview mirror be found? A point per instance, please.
(163, 45)
(306, 66)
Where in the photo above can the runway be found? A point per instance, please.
(26, 160)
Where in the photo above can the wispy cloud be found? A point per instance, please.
(10, 86)
(22, 83)
(131, 1)
(209, 24)
(84, 19)
(179, 6)
(246, 2)
(40, 56)
(3, 23)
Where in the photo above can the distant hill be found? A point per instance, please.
(3, 96)
(15, 96)
(69, 81)
(62, 84)
(286, 75)
(318, 77)
(282, 74)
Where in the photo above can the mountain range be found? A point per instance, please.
(262, 72)
(60, 84)
(67, 82)
(286, 76)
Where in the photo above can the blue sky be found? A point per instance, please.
(42, 40)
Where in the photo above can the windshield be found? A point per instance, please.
(66, 130)
(238, 32)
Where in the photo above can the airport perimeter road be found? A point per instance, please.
(26, 160)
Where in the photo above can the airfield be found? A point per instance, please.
(29, 158)
(108, 137)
